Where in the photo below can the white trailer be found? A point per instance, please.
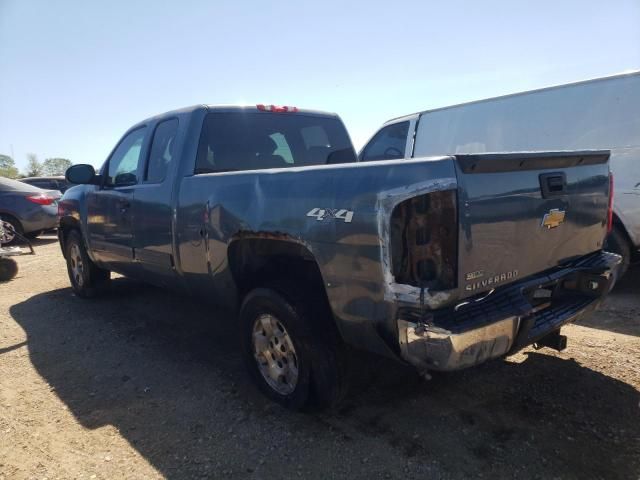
(603, 113)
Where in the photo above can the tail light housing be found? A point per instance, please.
(63, 207)
(610, 209)
(424, 241)
(40, 198)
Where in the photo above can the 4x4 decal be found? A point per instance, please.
(337, 213)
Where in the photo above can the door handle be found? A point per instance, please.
(553, 184)
(124, 205)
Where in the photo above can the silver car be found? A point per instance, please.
(29, 210)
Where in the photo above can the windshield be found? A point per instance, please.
(248, 141)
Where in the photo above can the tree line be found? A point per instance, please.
(35, 168)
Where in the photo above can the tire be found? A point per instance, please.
(272, 322)
(17, 227)
(617, 242)
(8, 269)
(87, 280)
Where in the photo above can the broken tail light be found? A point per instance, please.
(424, 241)
(40, 198)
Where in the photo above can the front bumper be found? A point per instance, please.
(509, 319)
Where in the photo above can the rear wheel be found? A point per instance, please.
(87, 279)
(11, 228)
(617, 242)
(8, 269)
(291, 361)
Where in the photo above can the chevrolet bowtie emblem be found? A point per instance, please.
(553, 218)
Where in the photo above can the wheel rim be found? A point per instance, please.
(275, 354)
(8, 233)
(77, 265)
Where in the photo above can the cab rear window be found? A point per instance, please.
(233, 141)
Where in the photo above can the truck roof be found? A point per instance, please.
(225, 108)
(537, 90)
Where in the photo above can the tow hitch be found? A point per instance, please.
(554, 340)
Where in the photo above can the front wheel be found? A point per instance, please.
(87, 279)
(290, 362)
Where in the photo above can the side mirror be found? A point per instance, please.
(81, 174)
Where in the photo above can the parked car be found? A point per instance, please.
(8, 265)
(595, 114)
(29, 210)
(48, 183)
(442, 262)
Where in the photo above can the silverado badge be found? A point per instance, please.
(553, 218)
(491, 281)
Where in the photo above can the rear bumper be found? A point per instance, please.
(43, 217)
(507, 320)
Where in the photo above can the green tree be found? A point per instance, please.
(8, 167)
(55, 166)
(34, 167)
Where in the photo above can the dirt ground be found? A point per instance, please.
(144, 383)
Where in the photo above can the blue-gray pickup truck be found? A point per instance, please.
(441, 262)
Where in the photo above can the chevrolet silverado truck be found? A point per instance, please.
(441, 262)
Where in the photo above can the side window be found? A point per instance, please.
(315, 136)
(388, 144)
(162, 150)
(123, 164)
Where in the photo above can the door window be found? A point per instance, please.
(123, 164)
(388, 144)
(162, 150)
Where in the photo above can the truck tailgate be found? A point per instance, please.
(522, 213)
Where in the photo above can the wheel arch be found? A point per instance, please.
(5, 213)
(251, 256)
(67, 224)
(260, 259)
(619, 224)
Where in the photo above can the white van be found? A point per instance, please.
(596, 114)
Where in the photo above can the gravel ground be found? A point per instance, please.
(145, 384)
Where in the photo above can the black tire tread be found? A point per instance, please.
(617, 242)
(97, 278)
(328, 373)
(8, 269)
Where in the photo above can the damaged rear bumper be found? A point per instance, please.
(509, 319)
